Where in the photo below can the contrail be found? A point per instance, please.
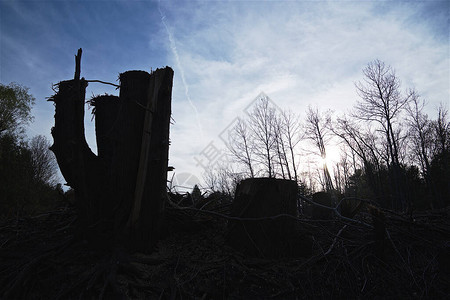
(180, 68)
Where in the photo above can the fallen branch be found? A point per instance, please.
(335, 240)
(336, 212)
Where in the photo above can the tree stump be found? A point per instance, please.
(120, 192)
(264, 198)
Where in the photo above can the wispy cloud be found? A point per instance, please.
(173, 47)
(298, 53)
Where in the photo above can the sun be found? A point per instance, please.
(331, 158)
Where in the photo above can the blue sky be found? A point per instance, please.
(224, 54)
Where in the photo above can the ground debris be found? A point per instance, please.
(40, 258)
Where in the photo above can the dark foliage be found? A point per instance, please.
(15, 107)
(440, 174)
(27, 170)
(21, 191)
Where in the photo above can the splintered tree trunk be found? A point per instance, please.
(120, 193)
(148, 178)
(260, 198)
(79, 165)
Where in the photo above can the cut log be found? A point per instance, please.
(266, 237)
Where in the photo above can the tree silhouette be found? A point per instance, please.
(15, 107)
(382, 103)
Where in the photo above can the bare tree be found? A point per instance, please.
(241, 144)
(262, 124)
(266, 142)
(44, 163)
(293, 136)
(363, 144)
(423, 140)
(382, 103)
(307, 177)
(401, 134)
(351, 135)
(278, 129)
(341, 171)
(222, 178)
(211, 179)
(419, 132)
(287, 132)
(440, 162)
(442, 131)
(317, 130)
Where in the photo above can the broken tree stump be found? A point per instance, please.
(264, 199)
(120, 192)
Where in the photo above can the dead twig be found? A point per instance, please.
(335, 240)
(104, 82)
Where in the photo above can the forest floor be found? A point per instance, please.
(39, 258)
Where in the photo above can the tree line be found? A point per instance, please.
(391, 151)
(28, 169)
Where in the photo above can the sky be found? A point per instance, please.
(224, 54)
